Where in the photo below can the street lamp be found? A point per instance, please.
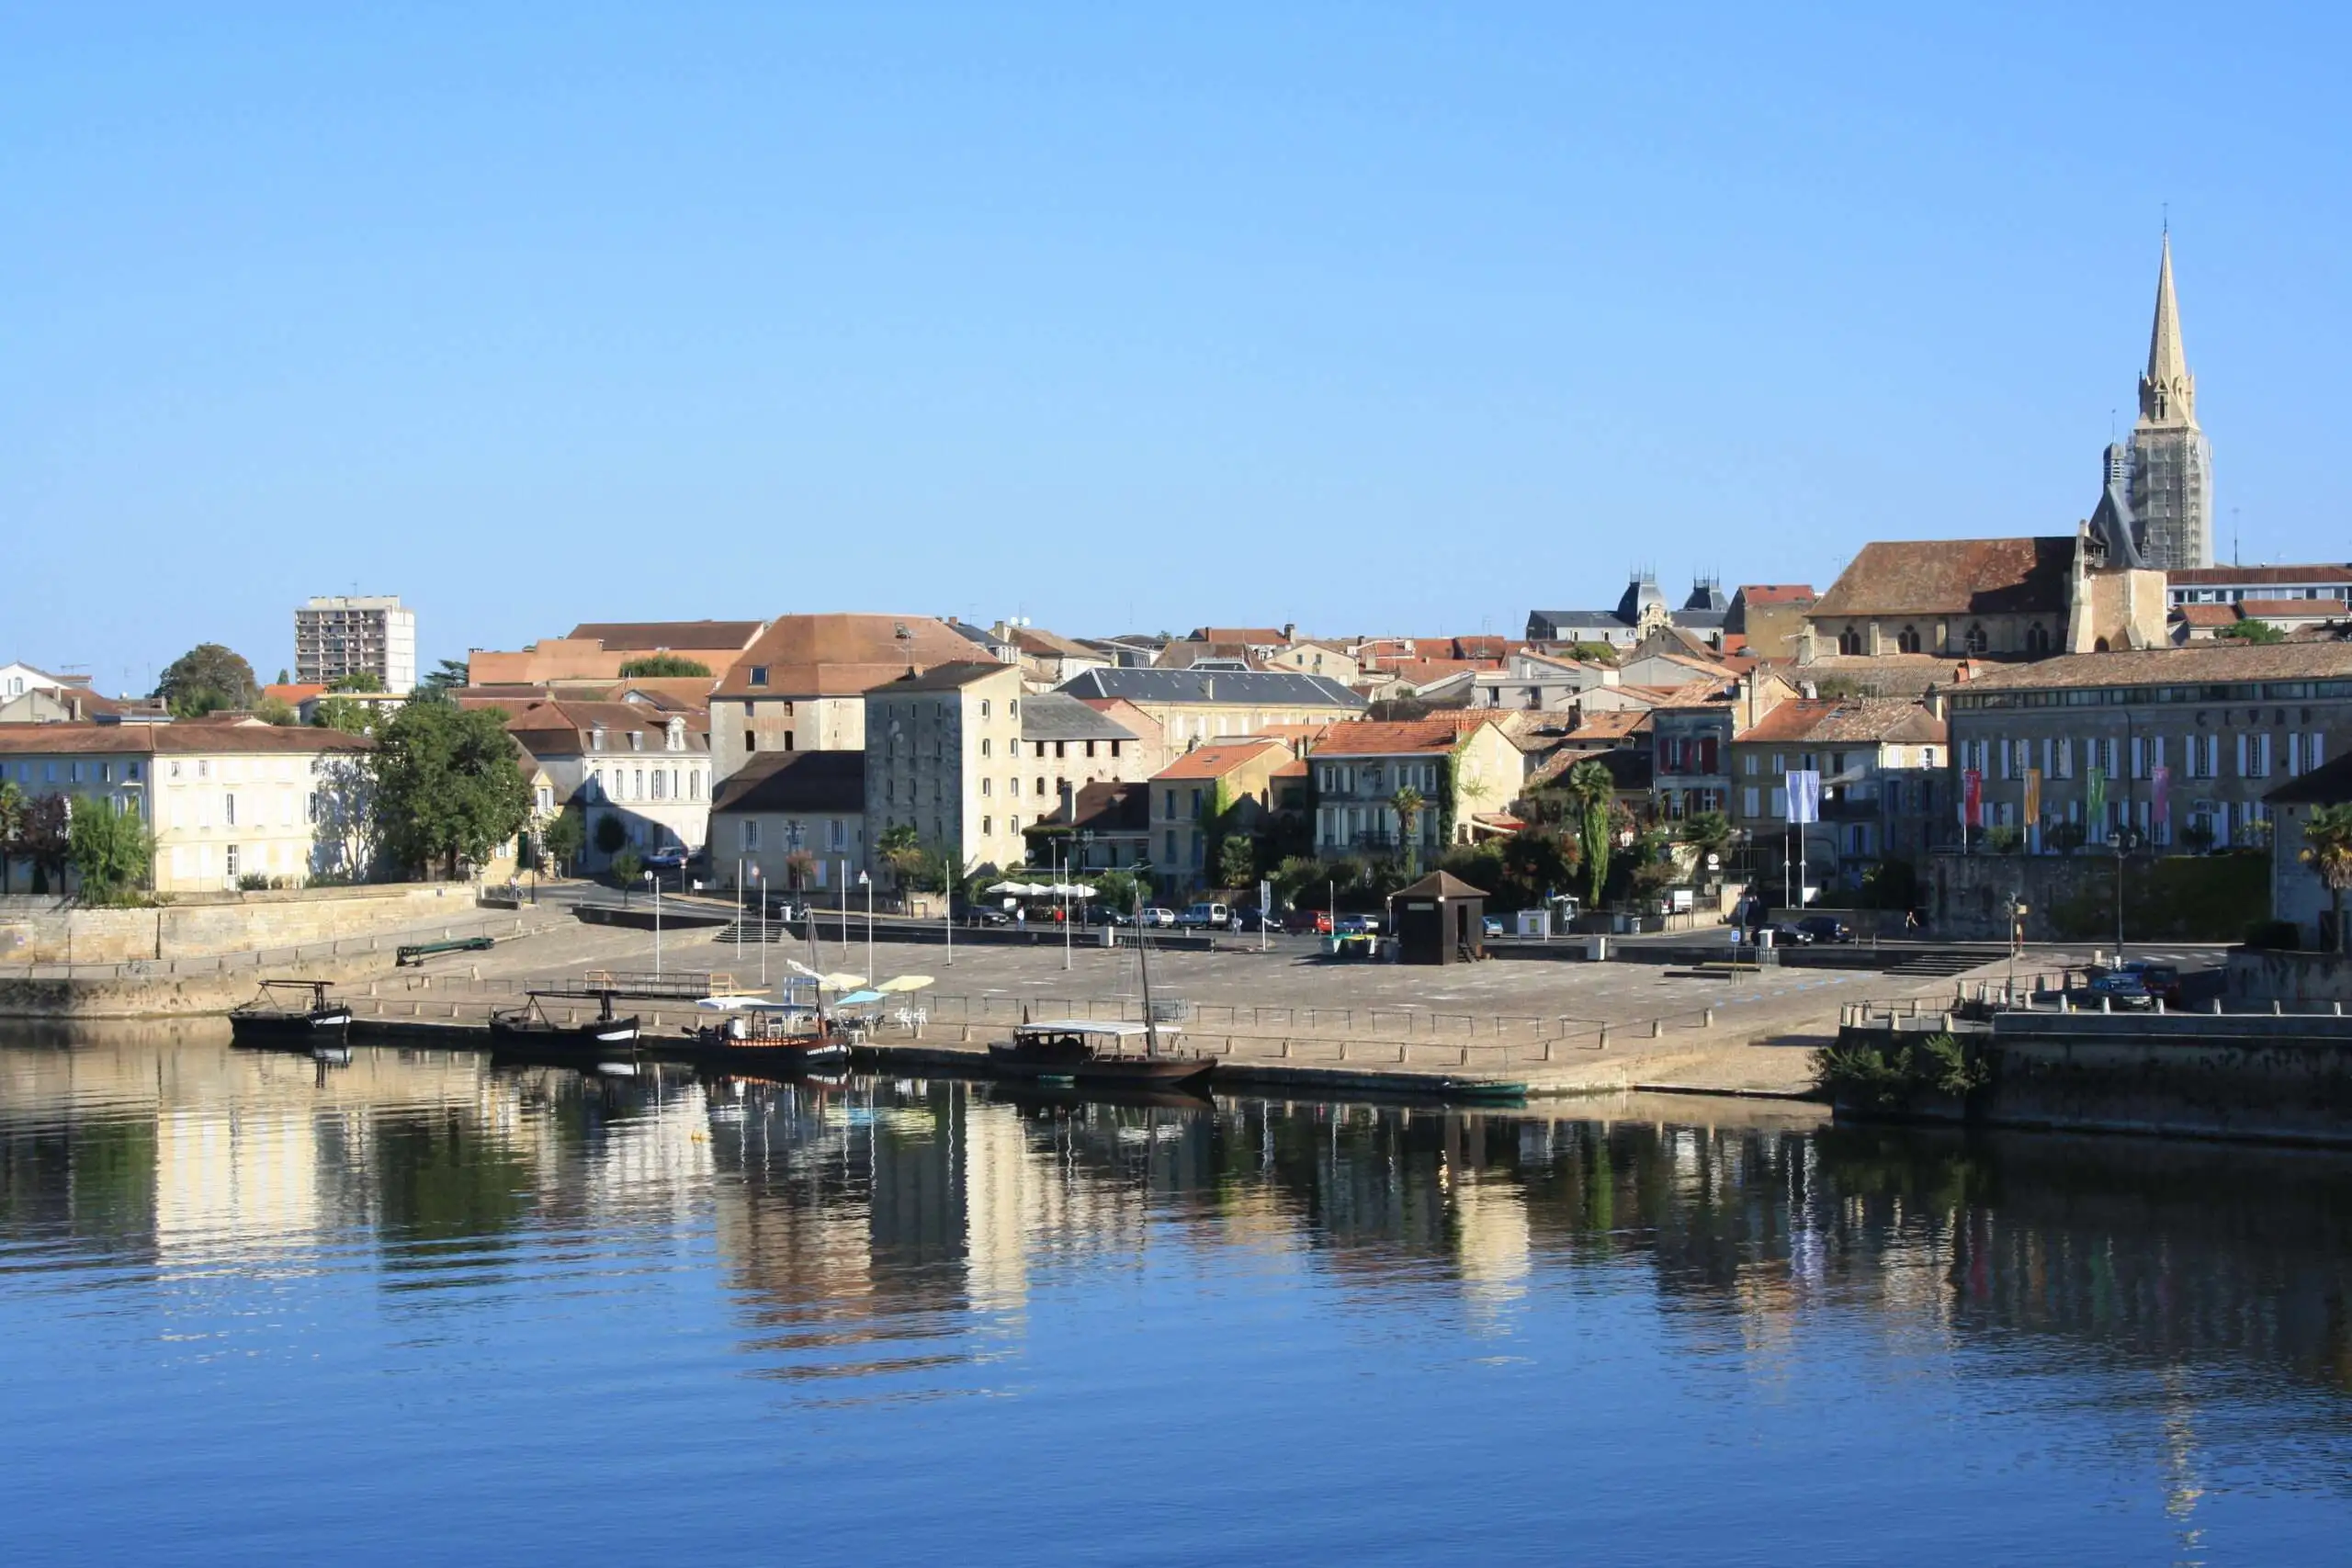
(656, 881)
(868, 882)
(2126, 839)
(762, 895)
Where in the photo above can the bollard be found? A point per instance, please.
(1707, 1018)
(1603, 1045)
(2064, 1004)
(1658, 1028)
(2105, 1003)
(2277, 1008)
(2339, 1009)
(2160, 1006)
(1947, 1023)
(2217, 1007)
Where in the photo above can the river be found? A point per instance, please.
(418, 1310)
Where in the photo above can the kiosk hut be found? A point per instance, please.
(1441, 919)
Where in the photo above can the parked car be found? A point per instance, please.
(1357, 925)
(1249, 919)
(1205, 916)
(1787, 935)
(1155, 915)
(1825, 928)
(672, 858)
(1103, 914)
(2123, 988)
(1492, 925)
(979, 915)
(1307, 922)
(2161, 979)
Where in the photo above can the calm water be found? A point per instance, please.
(415, 1310)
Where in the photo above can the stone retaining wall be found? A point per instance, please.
(36, 931)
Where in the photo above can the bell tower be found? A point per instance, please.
(2171, 463)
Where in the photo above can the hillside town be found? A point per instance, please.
(2099, 689)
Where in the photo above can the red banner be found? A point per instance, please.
(1972, 799)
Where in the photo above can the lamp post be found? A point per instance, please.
(739, 911)
(1061, 879)
(868, 882)
(762, 896)
(948, 880)
(656, 881)
(2126, 840)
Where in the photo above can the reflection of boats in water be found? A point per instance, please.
(528, 1031)
(1080, 1050)
(284, 1017)
(763, 1037)
(1051, 1093)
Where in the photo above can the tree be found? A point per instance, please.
(1117, 890)
(562, 839)
(627, 866)
(111, 850)
(12, 808)
(1590, 787)
(1709, 833)
(1408, 805)
(612, 835)
(440, 680)
(2259, 632)
(206, 679)
(800, 868)
(357, 680)
(1237, 861)
(449, 787)
(901, 850)
(342, 713)
(44, 840)
(2327, 849)
(277, 711)
(655, 665)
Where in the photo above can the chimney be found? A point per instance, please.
(1810, 691)
(1290, 631)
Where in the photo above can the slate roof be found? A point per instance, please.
(1441, 885)
(944, 677)
(1952, 577)
(1263, 688)
(829, 781)
(1052, 715)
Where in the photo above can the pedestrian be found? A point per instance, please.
(1911, 922)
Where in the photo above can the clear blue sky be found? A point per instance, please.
(1399, 318)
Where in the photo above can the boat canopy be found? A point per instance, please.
(1091, 1026)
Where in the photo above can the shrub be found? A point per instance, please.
(252, 882)
(1887, 1077)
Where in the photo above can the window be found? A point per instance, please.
(1908, 640)
(2037, 638)
(750, 833)
(988, 787)
(1013, 824)
(1089, 748)
(233, 861)
(984, 745)
(637, 740)
(1041, 785)
(1012, 709)
(757, 675)
(229, 810)
(984, 707)
(1849, 641)
(751, 741)
(1976, 641)
(987, 824)
(1061, 748)
(788, 740)
(835, 836)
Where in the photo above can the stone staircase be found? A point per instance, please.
(1943, 962)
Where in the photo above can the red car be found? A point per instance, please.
(1307, 922)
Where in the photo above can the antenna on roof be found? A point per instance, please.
(2234, 537)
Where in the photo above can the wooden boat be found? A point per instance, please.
(769, 1038)
(1085, 1052)
(529, 1029)
(282, 1016)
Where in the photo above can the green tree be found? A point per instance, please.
(1237, 861)
(206, 679)
(1117, 890)
(1590, 788)
(45, 842)
(655, 665)
(901, 850)
(628, 867)
(2261, 633)
(612, 835)
(13, 806)
(449, 787)
(441, 680)
(277, 711)
(342, 713)
(562, 839)
(357, 680)
(111, 849)
(2327, 849)
(1408, 805)
(1709, 833)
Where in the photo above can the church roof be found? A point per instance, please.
(1952, 577)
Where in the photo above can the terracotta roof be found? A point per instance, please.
(1049, 645)
(1400, 737)
(795, 780)
(1881, 675)
(1219, 758)
(1952, 577)
(1610, 726)
(2249, 576)
(563, 727)
(167, 740)
(842, 655)
(668, 637)
(2262, 609)
(1848, 720)
(944, 677)
(294, 692)
(1701, 695)
(1263, 637)
(2206, 615)
(2222, 660)
(1105, 809)
(1776, 593)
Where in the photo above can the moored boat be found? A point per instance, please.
(1084, 1052)
(759, 1035)
(283, 1016)
(529, 1029)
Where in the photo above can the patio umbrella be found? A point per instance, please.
(728, 1004)
(1015, 887)
(842, 981)
(801, 969)
(904, 983)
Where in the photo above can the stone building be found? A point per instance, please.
(1196, 706)
(944, 755)
(646, 769)
(1884, 784)
(801, 684)
(2172, 465)
(1464, 767)
(2182, 744)
(784, 802)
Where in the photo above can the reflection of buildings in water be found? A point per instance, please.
(232, 1179)
(657, 1159)
(1490, 1231)
(999, 1190)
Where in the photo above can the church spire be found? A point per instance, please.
(2167, 391)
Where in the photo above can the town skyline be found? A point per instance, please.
(1037, 293)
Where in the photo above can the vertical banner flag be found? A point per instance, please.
(1805, 796)
(1972, 799)
(2160, 788)
(2094, 798)
(2032, 796)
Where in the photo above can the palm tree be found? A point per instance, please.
(1408, 805)
(2328, 852)
(12, 826)
(1591, 787)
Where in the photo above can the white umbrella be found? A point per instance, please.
(728, 1004)
(904, 983)
(801, 969)
(1006, 887)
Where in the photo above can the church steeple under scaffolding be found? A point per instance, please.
(2171, 463)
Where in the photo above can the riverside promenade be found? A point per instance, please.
(1559, 1028)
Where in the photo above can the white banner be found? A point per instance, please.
(1804, 797)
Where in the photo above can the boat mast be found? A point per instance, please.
(1143, 963)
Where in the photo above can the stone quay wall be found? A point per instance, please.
(39, 931)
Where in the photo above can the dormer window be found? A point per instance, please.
(596, 739)
(637, 740)
(757, 675)
(677, 736)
